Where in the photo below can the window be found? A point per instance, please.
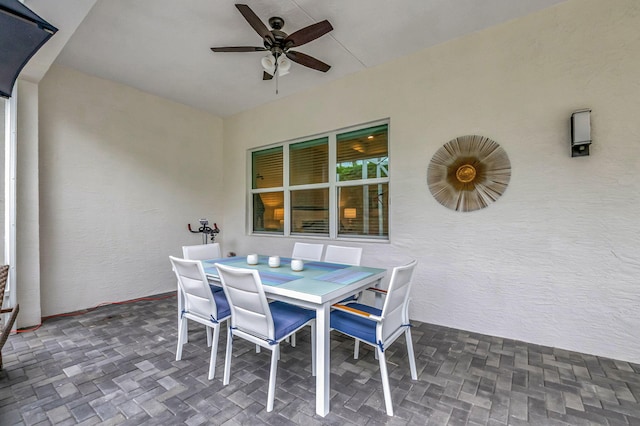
(334, 185)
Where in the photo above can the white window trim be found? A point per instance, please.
(333, 185)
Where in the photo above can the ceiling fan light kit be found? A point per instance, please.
(270, 64)
(278, 44)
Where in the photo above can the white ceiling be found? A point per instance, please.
(163, 46)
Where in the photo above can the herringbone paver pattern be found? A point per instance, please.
(116, 365)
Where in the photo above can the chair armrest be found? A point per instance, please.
(358, 312)
(378, 290)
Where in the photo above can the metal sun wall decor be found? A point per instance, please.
(468, 173)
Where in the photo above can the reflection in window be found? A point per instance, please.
(310, 211)
(362, 155)
(267, 168)
(364, 210)
(268, 213)
(309, 162)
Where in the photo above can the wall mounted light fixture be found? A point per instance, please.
(580, 133)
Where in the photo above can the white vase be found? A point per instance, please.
(274, 261)
(297, 265)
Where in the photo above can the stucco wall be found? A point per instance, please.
(27, 268)
(121, 174)
(555, 260)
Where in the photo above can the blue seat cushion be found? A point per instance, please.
(351, 298)
(356, 326)
(222, 304)
(215, 288)
(288, 318)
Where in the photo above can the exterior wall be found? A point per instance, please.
(555, 260)
(27, 267)
(122, 172)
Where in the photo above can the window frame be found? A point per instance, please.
(332, 184)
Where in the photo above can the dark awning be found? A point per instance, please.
(22, 33)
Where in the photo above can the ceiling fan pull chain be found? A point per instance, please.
(275, 73)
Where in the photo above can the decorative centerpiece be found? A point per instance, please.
(274, 261)
(297, 265)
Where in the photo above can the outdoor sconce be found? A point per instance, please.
(580, 133)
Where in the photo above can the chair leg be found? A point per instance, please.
(214, 350)
(227, 356)
(412, 358)
(293, 340)
(356, 348)
(275, 355)
(180, 296)
(385, 382)
(182, 333)
(209, 336)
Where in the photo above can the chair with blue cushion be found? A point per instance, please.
(199, 252)
(256, 320)
(200, 305)
(310, 252)
(381, 327)
(202, 251)
(343, 255)
(306, 251)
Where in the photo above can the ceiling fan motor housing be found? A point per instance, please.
(276, 23)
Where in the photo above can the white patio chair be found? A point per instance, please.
(202, 251)
(256, 320)
(200, 305)
(199, 252)
(344, 255)
(306, 251)
(381, 327)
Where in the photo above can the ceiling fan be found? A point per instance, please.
(278, 43)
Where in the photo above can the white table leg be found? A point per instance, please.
(322, 360)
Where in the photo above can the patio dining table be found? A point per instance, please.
(317, 287)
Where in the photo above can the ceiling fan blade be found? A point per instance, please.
(307, 34)
(238, 49)
(266, 75)
(255, 22)
(308, 61)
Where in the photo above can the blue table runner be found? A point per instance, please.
(267, 277)
(343, 277)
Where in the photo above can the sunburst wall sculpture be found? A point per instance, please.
(469, 173)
